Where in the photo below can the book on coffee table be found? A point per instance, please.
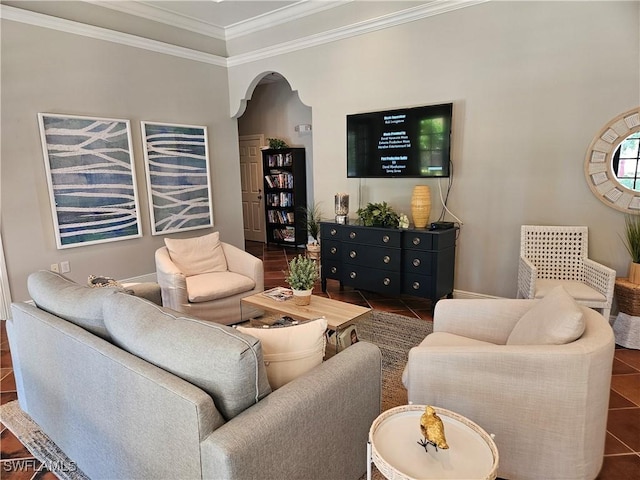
(279, 294)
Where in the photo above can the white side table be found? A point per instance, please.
(393, 447)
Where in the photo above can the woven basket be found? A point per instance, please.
(304, 299)
(628, 297)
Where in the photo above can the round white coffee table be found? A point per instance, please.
(394, 449)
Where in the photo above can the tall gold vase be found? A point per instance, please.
(420, 205)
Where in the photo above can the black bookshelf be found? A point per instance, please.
(285, 195)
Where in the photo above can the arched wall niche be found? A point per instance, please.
(255, 82)
(598, 163)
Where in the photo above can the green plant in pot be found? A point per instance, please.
(632, 243)
(302, 275)
(378, 215)
(313, 216)
(276, 143)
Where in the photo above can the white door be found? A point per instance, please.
(251, 179)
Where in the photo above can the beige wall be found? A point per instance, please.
(49, 71)
(531, 83)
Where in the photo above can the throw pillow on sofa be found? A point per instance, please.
(226, 364)
(555, 319)
(197, 255)
(290, 351)
(78, 304)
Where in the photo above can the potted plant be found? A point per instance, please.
(632, 243)
(276, 143)
(302, 275)
(378, 215)
(313, 217)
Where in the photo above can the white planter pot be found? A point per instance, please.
(302, 297)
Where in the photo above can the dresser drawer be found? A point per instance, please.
(381, 237)
(374, 257)
(373, 279)
(331, 269)
(418, 262)
(331, 250)
(331, 231)
(418, 285)
(429, 240)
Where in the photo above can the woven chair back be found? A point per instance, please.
(557, 252)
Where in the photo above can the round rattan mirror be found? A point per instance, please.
(612, 163)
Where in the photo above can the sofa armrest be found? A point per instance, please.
(313, 427)
(244, 263)
(489, 320)
(173, 284)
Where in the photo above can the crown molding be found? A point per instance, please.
(77, 28)
(158, 14)
(437, 7)
(280, 16)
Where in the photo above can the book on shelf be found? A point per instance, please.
(279, 294)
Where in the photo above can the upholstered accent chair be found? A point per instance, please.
(206, 278)
(557, 255)
(536, 373)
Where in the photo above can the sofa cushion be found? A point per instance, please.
(226, 364)
(78, 304)
(554, 320)
(197, 255)
(292, 350)
(215, 285)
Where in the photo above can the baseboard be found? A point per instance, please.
(469, 295)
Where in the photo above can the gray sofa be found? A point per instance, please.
(118, 414)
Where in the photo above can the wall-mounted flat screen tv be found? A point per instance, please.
(402, 143)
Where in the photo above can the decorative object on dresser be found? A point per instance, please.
(342, 207)
(413, 261)
(285, 188)
(421, 205)
(557, 255)
(378, 215)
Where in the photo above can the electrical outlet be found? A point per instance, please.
(54, 268)
(65, 267)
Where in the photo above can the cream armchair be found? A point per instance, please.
(213, 295)
(546, 404)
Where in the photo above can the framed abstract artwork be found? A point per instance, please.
(92, 184)
(178, 183)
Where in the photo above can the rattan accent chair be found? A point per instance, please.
(557, 255)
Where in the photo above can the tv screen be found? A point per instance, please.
(403, 143)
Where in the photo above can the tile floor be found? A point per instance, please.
(622, 449)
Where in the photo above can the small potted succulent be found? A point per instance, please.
(302, 275)
(378, 215)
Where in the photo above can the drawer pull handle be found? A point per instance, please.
(334, 269)
(352, 275)
(386, 259)
(333, 250)
(386, 281)
(416, 285)
(333, 232)
(352, 235)
(353, 254)
(416, 240)
(416, 262)
(385, 239)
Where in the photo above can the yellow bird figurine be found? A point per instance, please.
(432, 428)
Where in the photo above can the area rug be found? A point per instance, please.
(393, 334)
